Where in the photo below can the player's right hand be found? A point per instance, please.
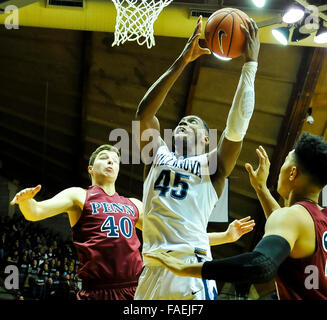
(25, 194)
(252, 46)
(258, 178)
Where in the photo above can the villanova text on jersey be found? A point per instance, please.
(111, 207)
(188, 164)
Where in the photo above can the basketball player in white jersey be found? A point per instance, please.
(179, 191)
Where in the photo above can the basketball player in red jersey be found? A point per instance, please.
(294, 246)
(103, 225)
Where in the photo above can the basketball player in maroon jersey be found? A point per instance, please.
(294, 246)
(103, 225)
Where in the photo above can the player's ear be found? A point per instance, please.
(89, 169)
(293, 173)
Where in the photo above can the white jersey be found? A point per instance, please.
(178, 200)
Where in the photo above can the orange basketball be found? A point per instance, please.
(223, 32)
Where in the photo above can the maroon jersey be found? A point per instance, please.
(106, 242)
(306, 279)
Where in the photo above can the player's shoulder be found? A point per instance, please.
(75, 190)
(157, 144)
(76, 193)
(294, 214)
(162, 145)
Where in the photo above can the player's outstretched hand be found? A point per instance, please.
(252, 46)
(25, 194)
(258, 177)
(176, 266)
(192, 48)
(238, 228)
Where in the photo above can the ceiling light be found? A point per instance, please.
(321, 36)
(281, 34)
(310, 118)
(293, 14)
(259, 3)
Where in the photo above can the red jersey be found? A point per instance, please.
(106, 242)
(306, 279)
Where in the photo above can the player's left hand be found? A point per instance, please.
(238, 228)
(192, 48)
(259, 177)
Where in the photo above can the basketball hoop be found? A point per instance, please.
(135, 19)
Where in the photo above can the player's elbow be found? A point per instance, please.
(30, 216)
(257, 269)
(233, 134)
(33, 219)
(35, 215)
(141, 116)
(264, 269)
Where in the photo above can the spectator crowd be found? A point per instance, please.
(47, 264)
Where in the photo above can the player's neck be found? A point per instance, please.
(108, 188)
(303, 195)
(183, 151)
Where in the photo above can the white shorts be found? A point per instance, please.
(158, 283)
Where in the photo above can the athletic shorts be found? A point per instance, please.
(126, 293)
(158, 283)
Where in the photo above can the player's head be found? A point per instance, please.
(305, 166)
(104, 164)
(192, 130)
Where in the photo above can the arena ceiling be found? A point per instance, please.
(175, 20)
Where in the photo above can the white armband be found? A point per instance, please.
(243, 104)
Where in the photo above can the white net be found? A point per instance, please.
(135, 19)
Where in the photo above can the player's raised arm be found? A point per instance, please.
(239, 116)
(258, 179)
(68, 200)
(155, 96)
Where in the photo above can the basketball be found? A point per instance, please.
(223, 32)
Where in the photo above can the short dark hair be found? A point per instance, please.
(101, 148)
(311, 156)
